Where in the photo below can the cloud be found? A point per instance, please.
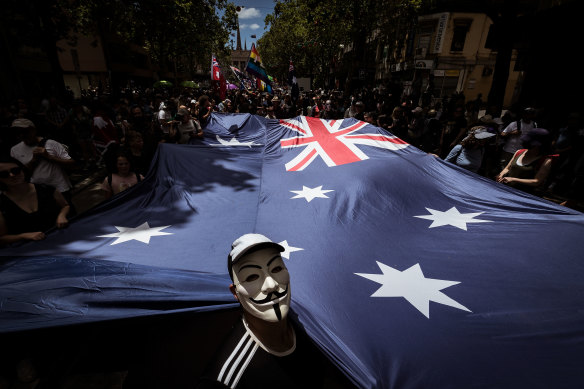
(253, 26)
(249, 13)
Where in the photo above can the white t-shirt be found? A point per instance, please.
(163, 117)
(45, 172)
(513, 143)
(186, 129)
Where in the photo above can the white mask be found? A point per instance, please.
(262, 284)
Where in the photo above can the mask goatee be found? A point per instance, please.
(277, 310)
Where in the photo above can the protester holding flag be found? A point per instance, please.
(27, 210)
(204, 110)
(255, 67)
(121, 178)
(265, 349)
(530, 166)
(220, 84)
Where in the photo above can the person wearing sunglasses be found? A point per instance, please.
(27, 210)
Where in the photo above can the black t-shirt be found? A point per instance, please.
(19, 221)
(242, 363)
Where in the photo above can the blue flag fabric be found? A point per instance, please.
(407, 271)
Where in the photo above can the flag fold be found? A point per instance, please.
(406, 271)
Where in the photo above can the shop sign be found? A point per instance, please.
(440, 33)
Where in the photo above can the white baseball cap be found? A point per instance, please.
(22, 123)
(246, 242)
(482, 133)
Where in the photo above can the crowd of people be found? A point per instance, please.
(41, 146)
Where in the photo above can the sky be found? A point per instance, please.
(251, 20)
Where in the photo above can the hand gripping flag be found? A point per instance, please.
(255, 67)
(406, 271)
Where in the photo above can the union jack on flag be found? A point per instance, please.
(328, 140)
(215, 69)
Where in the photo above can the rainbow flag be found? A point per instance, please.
(264, 87)
(255, 67)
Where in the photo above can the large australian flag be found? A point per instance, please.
(406, 271)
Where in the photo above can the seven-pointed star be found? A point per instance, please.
(413, 286)
(232, 142)
(452, 217)
(310, 193)
(288, 249)
(142, 233)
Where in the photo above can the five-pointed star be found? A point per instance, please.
(142, 233)
(310, 193)
(288, 249)
(452, 217)
(413, 286)
(232, 142)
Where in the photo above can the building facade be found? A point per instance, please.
(446, 54)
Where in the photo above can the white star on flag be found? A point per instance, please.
(233, 142)
(310, 193)
(413, 286)
(288, 249)
(452, 217)
(142, 233)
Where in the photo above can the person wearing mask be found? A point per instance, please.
(265, 348)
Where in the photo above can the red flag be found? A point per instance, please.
(222, 87)
(215, 69)
(217, 75)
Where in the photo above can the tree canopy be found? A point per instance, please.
(316, 34)
(183, 31)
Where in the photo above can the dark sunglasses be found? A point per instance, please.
(6, 173)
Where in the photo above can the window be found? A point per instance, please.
(426, 29)
(461, 27)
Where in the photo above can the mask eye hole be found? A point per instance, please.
(277, 269)
(251, 278)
